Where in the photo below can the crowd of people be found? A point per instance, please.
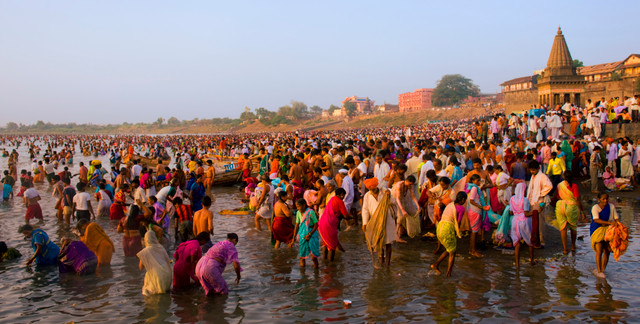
(485, 180)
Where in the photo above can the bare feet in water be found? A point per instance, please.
(436, 270)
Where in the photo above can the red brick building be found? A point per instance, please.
(418, 100)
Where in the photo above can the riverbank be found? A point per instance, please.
(220, 125)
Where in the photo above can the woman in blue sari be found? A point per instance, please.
(307, 230)
(45, 251)
(603, 214)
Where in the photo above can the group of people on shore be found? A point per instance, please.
(486, 179)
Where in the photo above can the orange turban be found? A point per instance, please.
(371, 183)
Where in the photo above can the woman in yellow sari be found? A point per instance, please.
(568, 208)
(94, 237)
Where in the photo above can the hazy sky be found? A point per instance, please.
(116, 61)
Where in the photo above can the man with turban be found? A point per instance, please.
(377, 221)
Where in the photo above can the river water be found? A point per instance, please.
(275, 289)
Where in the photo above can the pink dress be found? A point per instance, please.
(329, 222)
(183, 271)
(211, 266)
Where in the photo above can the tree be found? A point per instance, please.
(316, 110)
(173, 121)
(350, 108)
(332, 108)
(452, 89)
(11, 126)
(577, 63)
(159, 121)
(299, 109)
(247, 115)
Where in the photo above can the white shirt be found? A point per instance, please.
(423, 173)
(135, 171)
(347, 185)
(81, 200)
(139, 194)
(380, 171)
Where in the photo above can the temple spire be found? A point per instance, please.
(560, 61)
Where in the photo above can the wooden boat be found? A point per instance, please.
(151, 162)
(227, 178)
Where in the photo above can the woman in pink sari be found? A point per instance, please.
(330, 223)
(187, 256)
(210, 267)
(521, 223)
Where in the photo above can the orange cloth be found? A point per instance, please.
(618, 237)
(371, 183)
(98, 242)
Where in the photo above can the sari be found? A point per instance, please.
(282, 229)
(306, 222)
(502, 232)
(157, 280)
(329, 222)
(574, 125)
(183, 269)
(211, 266)
(49, 250)
(98, 242)
(568, 152)
(376, 229)
(117, 209)
(76, 257)
(567, 211)
(521, 226)
(598, 231)
(447, 229)
(480, 220)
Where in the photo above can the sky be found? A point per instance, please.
(134, 61)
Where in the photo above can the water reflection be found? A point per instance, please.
(603, 302)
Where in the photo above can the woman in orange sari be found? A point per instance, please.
(94, 237)
(574, 125)
(568, 208)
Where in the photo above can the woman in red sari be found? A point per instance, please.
(282, 227)
(330, 223)
(118, 208)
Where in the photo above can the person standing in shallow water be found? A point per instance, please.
(307, 231)
(603, 214)
(448, 232)
(282, 227)
(211, 266)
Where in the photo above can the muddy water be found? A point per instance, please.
(275, 289)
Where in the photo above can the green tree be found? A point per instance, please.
(452, 89)
(247, 115)
(350, 108)
(332, 108)
(577, 63)
(159, 121)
